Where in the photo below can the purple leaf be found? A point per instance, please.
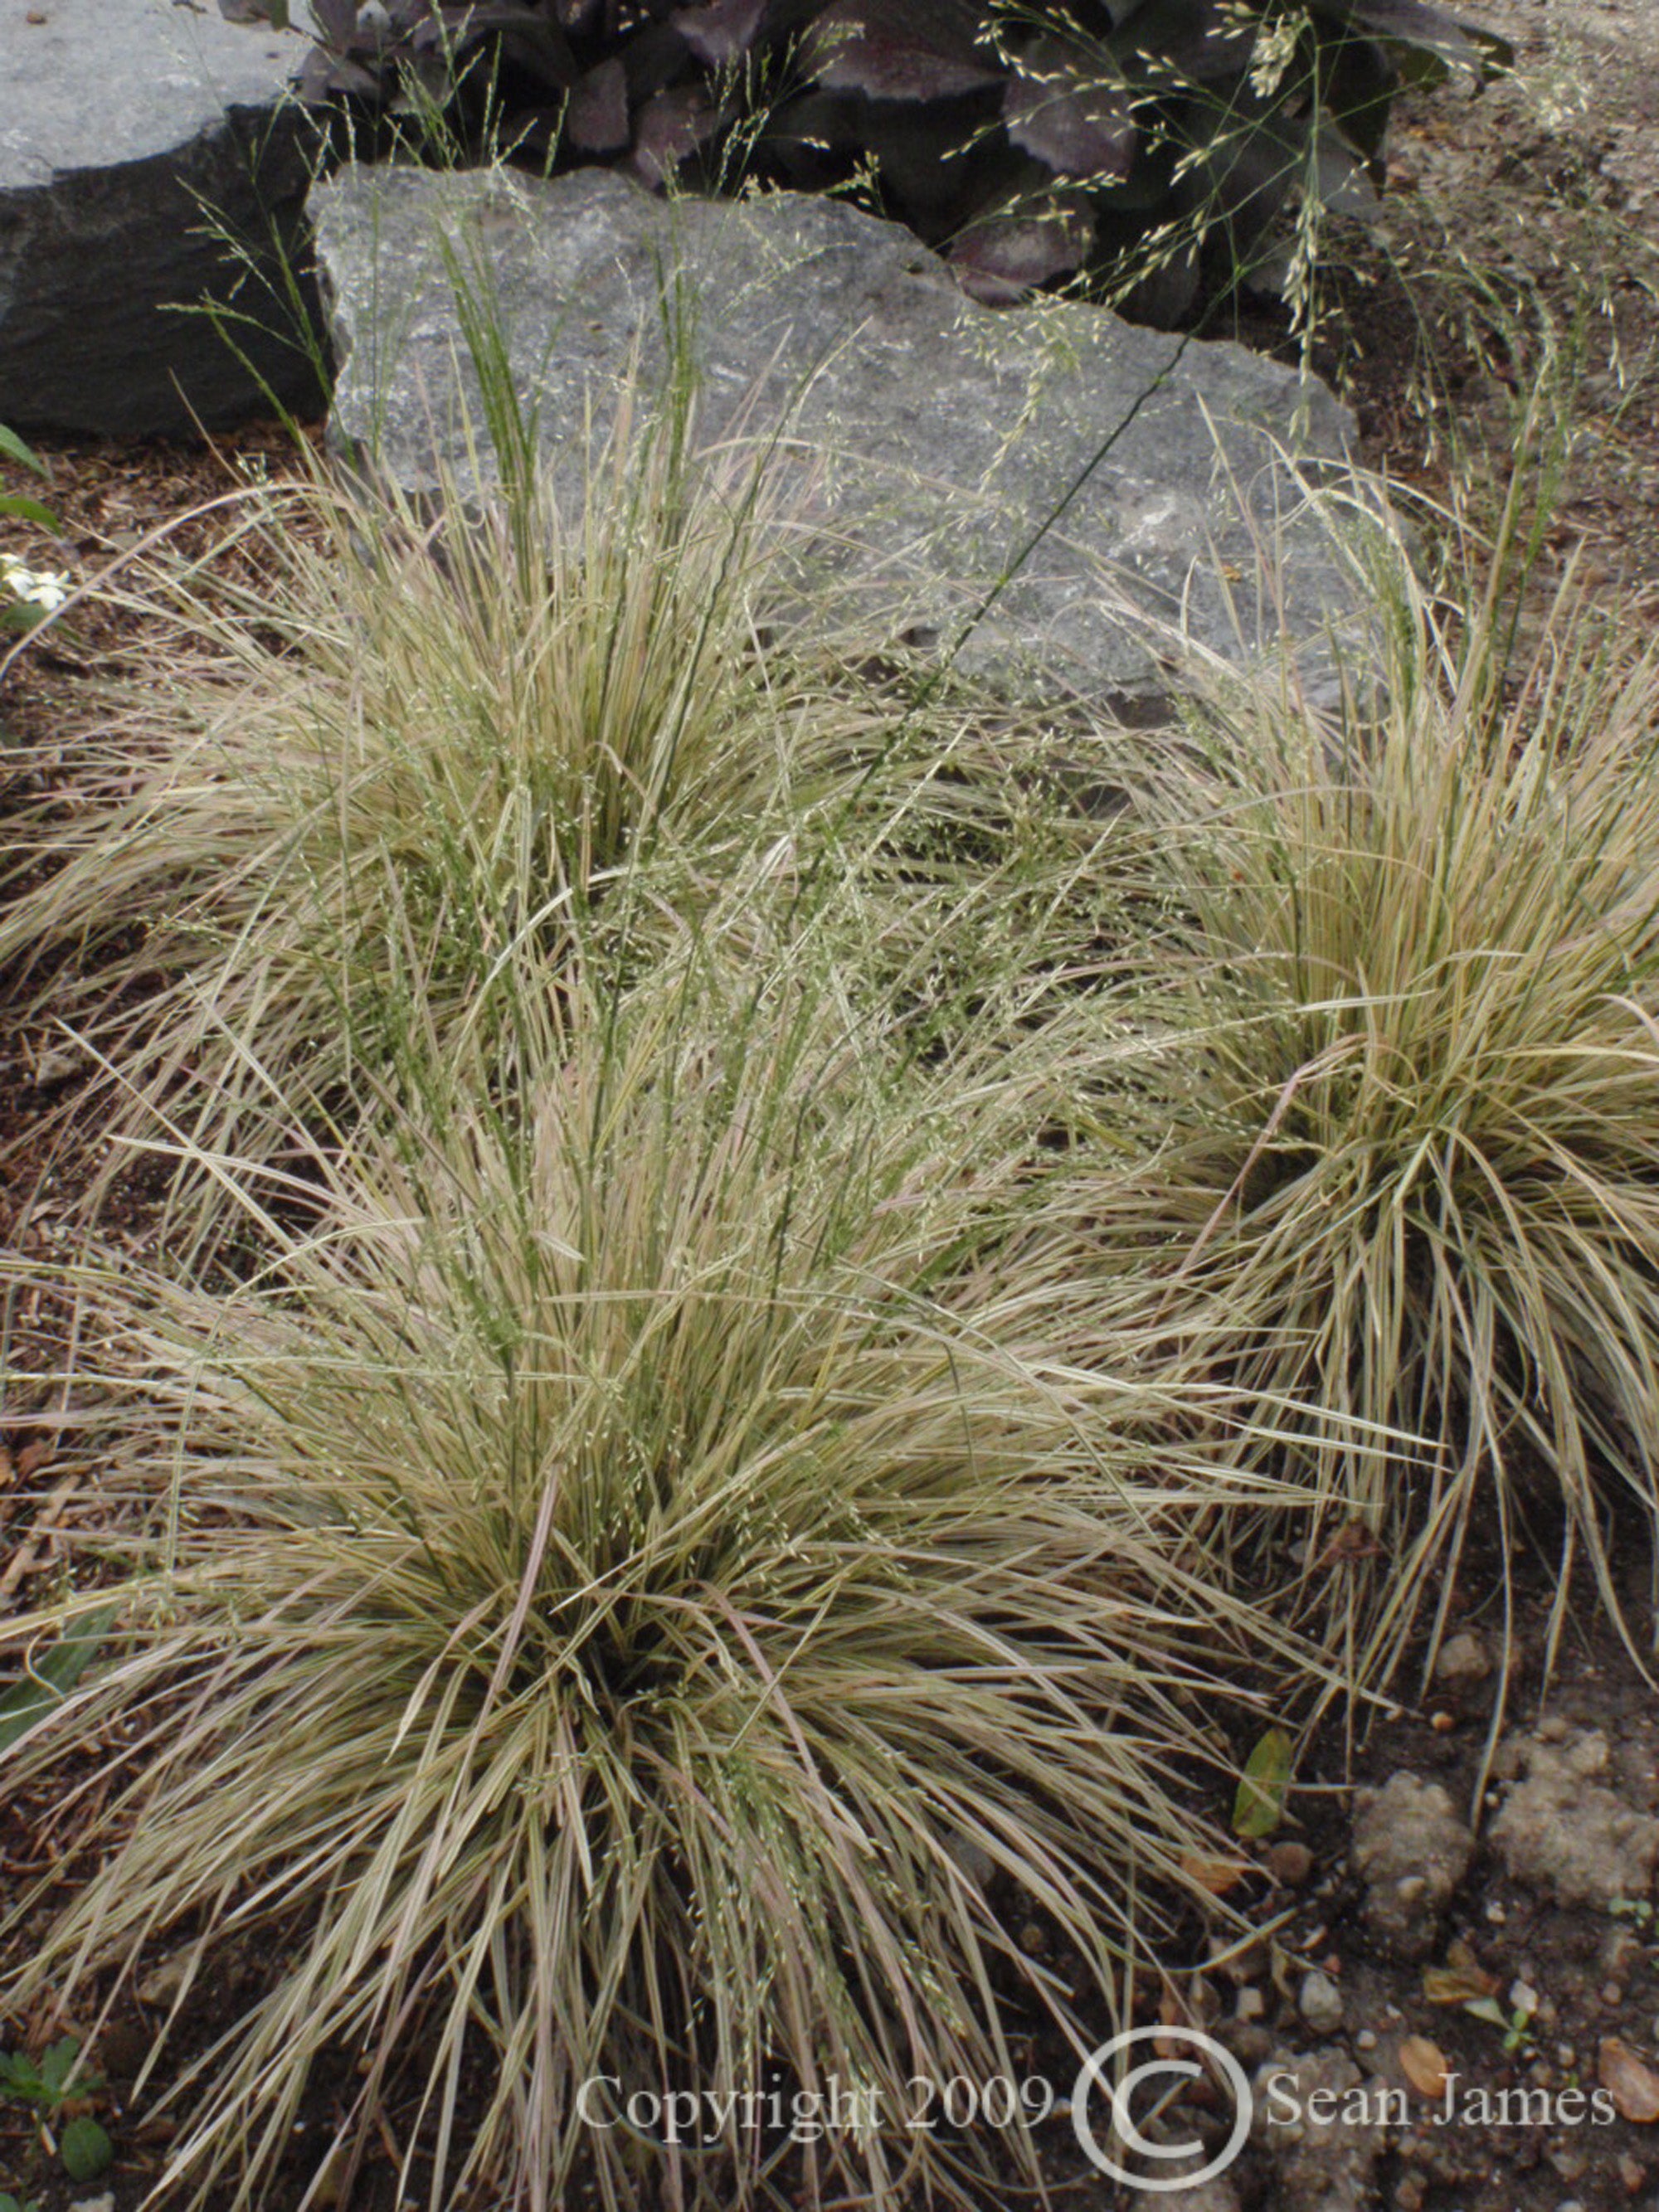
(672, 125)
(335, 20)
(926, 51)
(1206, 42)
(1414, 23)
(1000, 260)
(1081, 126)
(1342, 181)
(719, 31)
(323, 74)
(596, 121)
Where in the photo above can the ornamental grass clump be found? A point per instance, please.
(388, 760)
(1404, 1144)
(404, 748)
(643, 1592)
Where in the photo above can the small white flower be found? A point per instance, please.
(46, 588)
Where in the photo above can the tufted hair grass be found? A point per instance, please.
(643, 1590)
(1404, 1143)
(389, 758)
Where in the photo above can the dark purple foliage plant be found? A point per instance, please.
(1148, 150)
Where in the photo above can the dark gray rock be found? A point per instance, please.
(954, 431)
(119, 120)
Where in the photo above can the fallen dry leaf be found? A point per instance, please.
(1217, 1875)
(1353, 1540)
(1633, 2085)
(1457, 1985)
(1424, 2065)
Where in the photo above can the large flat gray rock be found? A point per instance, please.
(118, 120)
(955, 430)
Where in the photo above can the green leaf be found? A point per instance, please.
(19, 2076)
(26, 509)
(63, 2070)
(86, 2150)
(15, 450)
(1259, 1805)
(58, 2064)
(51, 1679)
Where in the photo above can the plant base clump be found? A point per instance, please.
(416, 759)
(644, 1596)
(1405, 1145)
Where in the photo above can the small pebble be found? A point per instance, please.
(1249, 2004)
(1032, 1940)
(1463, 1659)
(1611, 1993)
(1632, 2174)
(1289, 1864)
(1443, 1723)
(1250, 2043)
(54, 1066)
(1552, 1729)
(1623, 1955)
(1496, 1913)
(1319, 2001)
(975, 1861)
(1365, 2040)
(163, 1984)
